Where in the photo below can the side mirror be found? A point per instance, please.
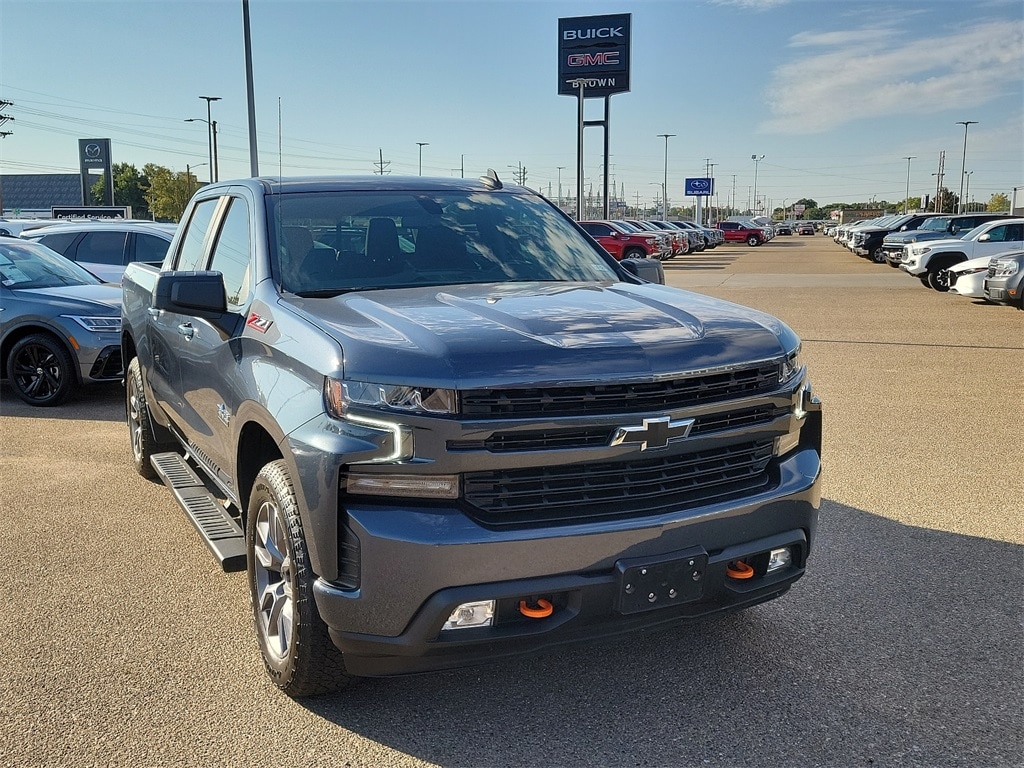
(191, 293)
(650, 270)
(985, 238)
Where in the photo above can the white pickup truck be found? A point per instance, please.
(930, 259)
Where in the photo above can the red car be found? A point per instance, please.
(620, 243)
(736, 232)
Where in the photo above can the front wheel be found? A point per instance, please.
(41, 370)
(939, 280)
(753, 240)
(634, 253)
(878, 256)
(297, 650)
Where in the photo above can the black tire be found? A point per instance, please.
(41, 370)
(938, 280)
(753, 240)
(297, 650)
(634, 253)
(924, 280)
(878, 256)
(146, 438)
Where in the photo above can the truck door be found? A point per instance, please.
(164, 330)
(211, 350)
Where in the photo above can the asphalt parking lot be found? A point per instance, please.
(903, 646)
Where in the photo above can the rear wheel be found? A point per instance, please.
(297, 650)
(41, 370)
(141, 429)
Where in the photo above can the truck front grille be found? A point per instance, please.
(620, 398)
(583, 492)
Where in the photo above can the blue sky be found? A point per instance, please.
(835, 95)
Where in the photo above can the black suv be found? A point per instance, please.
(868, 241)
(939, 227)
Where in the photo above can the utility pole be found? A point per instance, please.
(421, 145)
(938, 182)
(382, 165)
(3, 135)
(560, 169)
(906, 202)
(963, 167)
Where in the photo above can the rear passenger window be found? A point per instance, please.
(190, 252)
(102, 248)
(150, 248)
(60, 242)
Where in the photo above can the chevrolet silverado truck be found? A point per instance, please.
(438, 425)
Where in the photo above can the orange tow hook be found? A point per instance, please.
(739, 570)
(542, 611)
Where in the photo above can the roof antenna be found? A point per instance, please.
(491, 180)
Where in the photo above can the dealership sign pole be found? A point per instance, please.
(593, 62)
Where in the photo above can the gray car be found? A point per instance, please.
(1004, 283)
(60, 326)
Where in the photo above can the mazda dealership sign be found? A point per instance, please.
(594, 49)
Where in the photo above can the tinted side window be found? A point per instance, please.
(102, 248)
(598, 230)
(999, 234)
(59, 242)
(150, 247)
(231, 254)
(190, 253)
(1015, 232)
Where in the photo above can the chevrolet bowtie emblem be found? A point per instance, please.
(654, 433)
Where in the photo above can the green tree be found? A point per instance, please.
(129, 189)
(168, 191)
(998, 202)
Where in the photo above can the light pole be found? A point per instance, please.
(906, 202)
(188, 177)
(212, 128)
(756, 160)
(963, 167)
(209, 129)
(560, 169)
(421, 145)
(664, 183)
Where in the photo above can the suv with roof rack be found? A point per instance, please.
(467, 433)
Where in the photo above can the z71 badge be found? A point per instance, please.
(258, 323)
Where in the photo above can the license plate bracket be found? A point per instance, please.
(651, 583)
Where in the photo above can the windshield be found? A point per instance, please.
(936, 223)
(28, 265)
(331, 242)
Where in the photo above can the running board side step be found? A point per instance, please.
(218, 530)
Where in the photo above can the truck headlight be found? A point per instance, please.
(1007, 267)
(97, 324)
(791, 367)
(339, 395)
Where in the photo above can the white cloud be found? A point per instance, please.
(753, 5)
(867, 74)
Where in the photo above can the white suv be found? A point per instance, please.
(105, 247)
(929, 260)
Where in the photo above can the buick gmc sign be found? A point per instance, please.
(594, 49)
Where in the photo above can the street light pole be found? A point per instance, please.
(963, 167)
(756, 160)
(906, 202)
(421, 145)
(209, 129)
(664, 183)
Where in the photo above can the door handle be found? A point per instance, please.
(154, 312)
(187, 330)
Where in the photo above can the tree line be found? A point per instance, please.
(155, 192)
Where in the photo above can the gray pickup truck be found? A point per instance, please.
(439, 425)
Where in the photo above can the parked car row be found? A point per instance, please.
(978, 255)
(662, 240)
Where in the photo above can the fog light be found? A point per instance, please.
(779, 559)
(470, 615)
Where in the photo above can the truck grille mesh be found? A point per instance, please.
(620, 398)
(582, 492)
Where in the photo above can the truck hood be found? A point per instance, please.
(468, 336)
(916, 235)
(99, 300)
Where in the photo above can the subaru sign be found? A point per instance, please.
(594, 49)
(700, 187)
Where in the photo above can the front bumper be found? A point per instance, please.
(427, 561)
(1003, 290)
